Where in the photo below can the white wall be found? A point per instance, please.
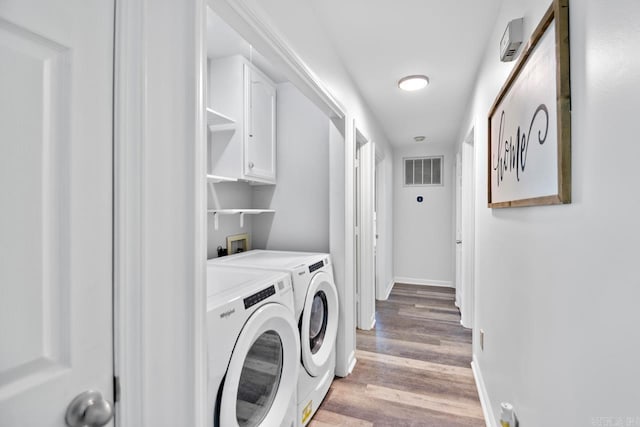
(229, 195)
(558, 287)
(423, 231)
(301, 195)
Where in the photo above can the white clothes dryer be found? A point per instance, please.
(253, 348)
(316, 313)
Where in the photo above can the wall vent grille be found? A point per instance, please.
(421, 171)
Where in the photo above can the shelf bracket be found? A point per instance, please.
(241, 219)
(215, 220)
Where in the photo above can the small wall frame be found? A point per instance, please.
(529, 153)
(238, 243)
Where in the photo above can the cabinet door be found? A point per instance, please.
(260, 127)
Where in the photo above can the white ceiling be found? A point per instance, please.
(381, 41)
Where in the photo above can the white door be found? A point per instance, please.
(56, 61)
(378, 228)
(467, 222)
(376, 275)
(458, 237)
(376, 267)
(260, 136)
(365, 286)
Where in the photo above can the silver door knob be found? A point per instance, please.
(89, 409)
(251, 165)
(458, 242)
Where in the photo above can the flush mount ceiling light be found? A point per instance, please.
(411, 83)
(419, 138)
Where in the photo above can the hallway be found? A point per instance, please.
(413, 369)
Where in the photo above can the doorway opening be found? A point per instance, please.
(380, 231)
(465, 229)
(365, 232)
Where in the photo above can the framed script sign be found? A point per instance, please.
(530, 122)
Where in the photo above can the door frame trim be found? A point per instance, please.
(128, 199)
(133, 309)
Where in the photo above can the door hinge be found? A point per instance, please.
(116, 389)
(356, 163)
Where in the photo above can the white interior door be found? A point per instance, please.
(379, 229)
(56, 102)
(467, 232)
(366, 233)
(376, 276)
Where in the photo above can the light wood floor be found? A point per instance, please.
(413, 369)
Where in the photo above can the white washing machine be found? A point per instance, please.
(253, 348)
(316, 313)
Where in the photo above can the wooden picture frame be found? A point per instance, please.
(238, 241)
(534, 108)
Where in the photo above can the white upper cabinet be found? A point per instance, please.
(244, 150)
(260, 126)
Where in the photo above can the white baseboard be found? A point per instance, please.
(487, 409)
(352, 362)
(424, 282)
(388, 290)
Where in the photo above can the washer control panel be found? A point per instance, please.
(254, 299)
(318, 265)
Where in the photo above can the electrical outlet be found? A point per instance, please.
(508, 415)
(482, 339)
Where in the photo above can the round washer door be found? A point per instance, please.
(263, 372)
(319, 324)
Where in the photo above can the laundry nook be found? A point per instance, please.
(268, 181)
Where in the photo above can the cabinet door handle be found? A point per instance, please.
(251, 165)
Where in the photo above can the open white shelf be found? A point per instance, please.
(218, 122)
(214, 179)
(242, 212)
